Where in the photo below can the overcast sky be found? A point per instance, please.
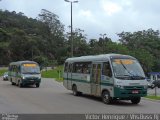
(96, 17)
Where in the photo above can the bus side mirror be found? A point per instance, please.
(41, 68)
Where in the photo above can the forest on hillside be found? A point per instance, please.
(45, 40)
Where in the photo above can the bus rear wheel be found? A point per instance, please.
(106, 97)
(75, 92)
(136, 100)
(13, 83)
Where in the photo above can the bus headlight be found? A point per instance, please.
(120, 86)
(146, 86)
(23, 77)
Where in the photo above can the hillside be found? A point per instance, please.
(45, 40)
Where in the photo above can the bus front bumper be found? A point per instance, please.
(130, 91)
(31, 81)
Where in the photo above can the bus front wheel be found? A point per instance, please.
(74, 89)
(106, 97)
(136, 100)
(20, 84)
(37, 85)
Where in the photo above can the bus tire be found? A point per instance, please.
(37, 85)
(106, 97)
(20, 84)
(136, 100)
(152, 86)
(12, 83)
(74, 89)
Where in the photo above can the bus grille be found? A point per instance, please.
(133, 87)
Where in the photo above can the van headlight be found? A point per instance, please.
(120, 86)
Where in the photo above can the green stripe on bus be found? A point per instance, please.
(78, 80)
(106, 84)
(84, 81)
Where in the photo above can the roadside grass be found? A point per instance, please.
(2, 71)
(55, 73)
(153, 97)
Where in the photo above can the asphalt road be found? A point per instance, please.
(52, 97)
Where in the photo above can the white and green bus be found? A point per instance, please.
(110, 76)
(22, 73)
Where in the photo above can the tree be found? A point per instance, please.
(80, 46)
(55, 40)
(146, 41)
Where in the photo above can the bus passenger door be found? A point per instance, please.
(69, 77)
(95, 79)
(14, 74)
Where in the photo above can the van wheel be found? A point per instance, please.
(106, 97)
(136, 100)
(75, 92)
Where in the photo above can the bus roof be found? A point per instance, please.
(100, 57)
(21, 62)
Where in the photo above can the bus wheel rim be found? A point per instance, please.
(105, 98)
(74, 91)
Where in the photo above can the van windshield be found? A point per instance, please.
(127, 69)
(30, 69)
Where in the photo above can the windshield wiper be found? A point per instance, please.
(126, 77)
(126, 69)
(123, 75)
(138, 77)
(36, 72)
(31, 73)
(132, 76)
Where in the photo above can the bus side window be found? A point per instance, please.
(77, 67)
(66, 67)
(80, 68)
(76, 70)
(107, 69)
(86, 67)
(70, 68)
(16, 69)
(9, 68)
(12, 68)
(19, 69)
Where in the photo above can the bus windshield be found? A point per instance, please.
(127, 69)
(30, 68)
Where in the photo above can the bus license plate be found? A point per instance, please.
(135, 91)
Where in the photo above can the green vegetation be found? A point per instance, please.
(153, 97)
(45, 41)
(2, 71)
(55, 73)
